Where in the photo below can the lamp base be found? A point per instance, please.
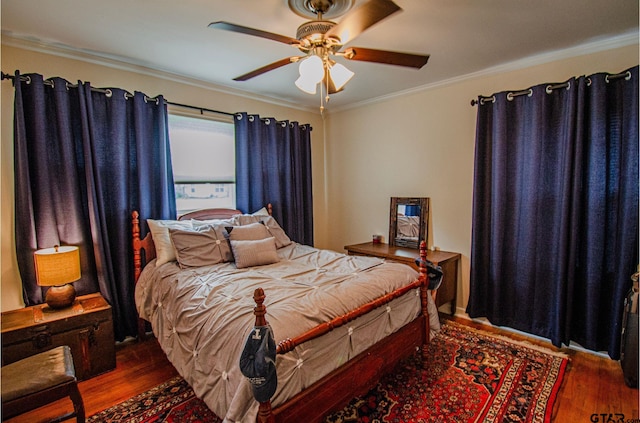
(60, 296)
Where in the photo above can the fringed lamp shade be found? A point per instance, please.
(56, 267)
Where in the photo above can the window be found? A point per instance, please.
(203, 159)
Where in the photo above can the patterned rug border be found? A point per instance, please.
(490, 413)
(139, 400)
(519, 342)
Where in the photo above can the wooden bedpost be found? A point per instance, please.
(137, 266)
(135, 231)
(424, 298)
(265, 414)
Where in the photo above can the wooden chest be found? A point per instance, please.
(86, 327)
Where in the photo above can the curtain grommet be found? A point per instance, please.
(484, 100)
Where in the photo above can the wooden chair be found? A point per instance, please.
(39, 380)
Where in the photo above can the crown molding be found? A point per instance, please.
(122, 64)
(624, 40)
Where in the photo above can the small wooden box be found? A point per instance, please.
(86, 327)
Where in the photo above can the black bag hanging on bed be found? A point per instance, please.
(434, 273)
(629, 340)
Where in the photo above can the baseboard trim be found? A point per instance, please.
(461, 313)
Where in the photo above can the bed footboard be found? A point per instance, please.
(359, 374)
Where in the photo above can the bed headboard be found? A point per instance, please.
(206, 214)
(144, 249)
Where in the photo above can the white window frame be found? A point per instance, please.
(208, 189)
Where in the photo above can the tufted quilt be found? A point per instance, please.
(201, 317)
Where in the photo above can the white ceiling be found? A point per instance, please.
(462, 37)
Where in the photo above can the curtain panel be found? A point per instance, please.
(555, 209)
(84, 159)
(273, 165)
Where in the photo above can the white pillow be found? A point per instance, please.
(165, 251)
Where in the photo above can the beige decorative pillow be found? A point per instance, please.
(272, 226)
(201, 246)
(254, 253)
(262, 212)
(160, 233)
(250, 232)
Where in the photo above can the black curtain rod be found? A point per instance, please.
(201, 109)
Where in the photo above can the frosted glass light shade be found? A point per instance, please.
(311, 72)
(340, 75)
(57, 266)
(306, 85)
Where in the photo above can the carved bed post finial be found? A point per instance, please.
(424, 299)
(260, 310)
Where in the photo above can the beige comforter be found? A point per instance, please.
(202, 316)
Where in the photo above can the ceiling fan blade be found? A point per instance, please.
(361, 18)
(267, 68)
(388, 57)
(227, 26)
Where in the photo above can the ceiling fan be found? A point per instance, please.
(321, 40)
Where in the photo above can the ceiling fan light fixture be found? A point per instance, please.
(340, 75)
(311, 71)
(306, 85)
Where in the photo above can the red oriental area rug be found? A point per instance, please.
(472, 376)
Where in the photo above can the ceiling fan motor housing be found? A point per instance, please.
(330, 9)
(313, 30)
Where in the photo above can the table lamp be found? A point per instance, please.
(55, 268)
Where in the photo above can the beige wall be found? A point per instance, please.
(174, 89)
(422, 145)
(418, 144)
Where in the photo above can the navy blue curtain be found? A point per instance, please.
(84, 159)
(555, 209)
(412, 210)
(273, 165)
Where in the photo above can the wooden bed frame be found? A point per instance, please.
(354, 378)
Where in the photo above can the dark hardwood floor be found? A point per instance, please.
(592, 385)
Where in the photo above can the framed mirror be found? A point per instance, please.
(408, 221)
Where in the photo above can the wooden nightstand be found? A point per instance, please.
(447, 260)
(86, 327)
